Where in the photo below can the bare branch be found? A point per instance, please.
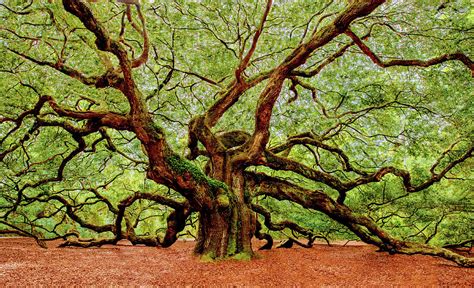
(421, 63)
(59, 66)
(245, 61)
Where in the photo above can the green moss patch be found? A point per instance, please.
(182, 166)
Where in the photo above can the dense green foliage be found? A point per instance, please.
(405, 117)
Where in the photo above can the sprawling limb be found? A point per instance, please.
(14, 230)
(464, 243)
(165, 166)
(297, 58)
(175, 221)
(281, 163)
(278, 75)
(362, 226)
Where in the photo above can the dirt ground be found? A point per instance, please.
(23, 263)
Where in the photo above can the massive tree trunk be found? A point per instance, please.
(225, 232)
(226, 229)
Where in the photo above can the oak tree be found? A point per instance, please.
(237, 116)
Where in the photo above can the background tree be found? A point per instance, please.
(243, 117)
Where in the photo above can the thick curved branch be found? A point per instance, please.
(465, 243)
(362, 226)
(263, 236)
(199, 130)
(166, 167)
(281, 163)
(176, 222)
(21, 232)
(105, 42)
(281, 225)
(98, 118)
(327, 61)
(278, 75)
(227, 98)
(294, 227)
(297, 58)
(318, 200)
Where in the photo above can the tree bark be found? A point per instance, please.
(227, 228)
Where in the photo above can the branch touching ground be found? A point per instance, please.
(365, 228)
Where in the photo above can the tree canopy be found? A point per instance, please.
(227, 120)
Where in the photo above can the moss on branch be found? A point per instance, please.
(183, 166)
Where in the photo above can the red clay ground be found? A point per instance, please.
(23, 263)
